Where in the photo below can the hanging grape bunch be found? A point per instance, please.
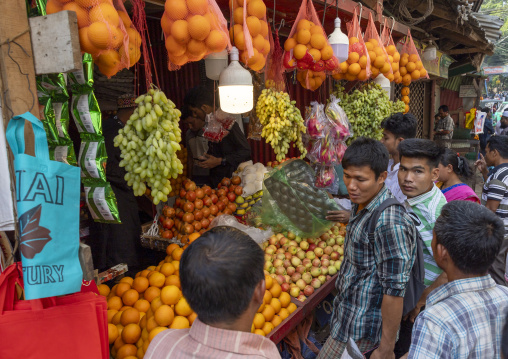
(149, 142)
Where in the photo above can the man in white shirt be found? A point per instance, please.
(502, 125)
(396, 129)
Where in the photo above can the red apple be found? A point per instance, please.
(316, 283)
(290, 270)
(302, 298)
(312, 247)
(231, 197)
(316, 262)
(285, 287)
(205, 223)
(300, 269)
(308, 290)
(296, 276)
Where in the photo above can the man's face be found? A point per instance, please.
(416, 176)
(198, 113)
(490, 156)
(194, 123)
(504, 122)
(390, 141)
(361, 183)
(442, 114)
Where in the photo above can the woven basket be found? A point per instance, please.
(150, 237)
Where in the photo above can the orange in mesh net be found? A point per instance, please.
(377, 53)
(105, 31)
(311, 80)
(193, 29)
(392, 52)
(410, 65)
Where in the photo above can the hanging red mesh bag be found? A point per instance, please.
(307, 47)
(193, 29)
(310, 80)
(391, 50)
(274, 74)
(250, 32)
(411, 66)
(379, 61)
(357, 66)
(105, 31)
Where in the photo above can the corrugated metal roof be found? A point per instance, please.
(454, 83)
(490, 25)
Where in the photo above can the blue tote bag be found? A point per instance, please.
(47, 195)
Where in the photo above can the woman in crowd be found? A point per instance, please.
(453, 168)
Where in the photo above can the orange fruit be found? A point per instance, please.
(289, 44)
(176, 9)
(238, 15)
(318, 41)
(284, 313)
(343, 66)
(374, 42)
(405, 99)
(192, 317)
(396, 57)
(268, 282)
(154, 332)
(275, 302)
(177, 254)
(413, 58)
(291, 308)
(316, 54)
(258, 42)
(111, 59)
(133, 51)
(267, 297)
(167, 269)
(197, 49)
(144, 334)
(386, 68)
(338, 76)
(128, 280)
(145, 345)
(316, 30)
(267, 328)
(362, 76)
(112, 333)
(259, 332)
(391, 49)
(240, 40)
(126, 350)
(84, 41)
(354, 69)
(140, 284)
(117, 37)
(117, 317)
(423, 73)
(100, 36)
(369, 46)
(171, 247)
(256, 8)
(395, 66)
(285, 299)
(151, 324)
(303, 36)
(374, 71)
(175, 49)
(415, 75)
(151, 293)
(406, 109)
(155, 304)
(215, 42)
(379, 62)
(53, 6)
(197, 7)
(166, 24)
(104, 13)
(212, 19)
(131, 333)
(405, 91)
(372, 56)
(350, 77)
(129, 316)
(180, 31)
(403, 61)
(83, 19)
(303, 24)
(276, 290)
(268, 313)
(157, 279)
(259, 320)
(176, 265)
(182, 307)
(402, 71)
(261, 307)
(164, 315)
(363, 61)
(299, 51)
(353, 57)
(130, 297)
(353, 40)
(406, 79)
(126, 20)
(254, 25)
(115, 303)
(89, 3)
(199, 28)
(142, 305)
(264, 28)
(419, 65)
(180, 323)
(410, 67)
(111, 314)
(144, 273)
(173, 280)
(326, 53)
(276, 319)
(103, 289)
(134, 38)
(170, 295)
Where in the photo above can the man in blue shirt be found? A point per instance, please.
(488, 130)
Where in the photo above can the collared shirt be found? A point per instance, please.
(501, 131)
(427, 208)
(445, 124)
(392, 181)
(204, 341)
(462, 319)
(496, 188)
(372, 269)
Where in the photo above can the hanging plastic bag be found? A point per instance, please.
(307, 46)
(325, 176)
(193, 29)
(411, 66)
(315, 121)
(379, 62)
(391, 50)
(336, 115)
(358, 64)
(105, 31)
(258, 235)
(274, 75)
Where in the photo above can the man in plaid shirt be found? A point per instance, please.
(374, 275)
(464, 318)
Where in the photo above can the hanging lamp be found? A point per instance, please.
(385, 84)
(236, 92)
(430, 52)
(339, 42)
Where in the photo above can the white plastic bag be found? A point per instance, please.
(258, 235)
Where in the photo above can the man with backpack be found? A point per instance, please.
(377, 268)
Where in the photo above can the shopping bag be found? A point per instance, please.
(73, 326)
(47, 195)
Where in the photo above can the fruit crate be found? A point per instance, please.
(304, 308)
(150, 237)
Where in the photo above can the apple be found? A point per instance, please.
(281, 256)
(279, 235)
(291, 235)
(310, 255)
(293, 243)
(286, 263)
(268, 257)
(322, 279)
(291, 270)
(315, 271)
(340, 240)
(298, 239)
(319, 251)
(325, 262)
(325, 256)
(324, 270)
(294, 292)
(278, 263)
(325, 236)
(288, 255)
(285, 287)
(334, 256)
(295, 277)
(308, 290)
(328, 277)
(301, 283)
(311, 240)
(308, 265)
(301, 269)
(293, 250)
(280, 270)
(328, 250)
(280, 279)
(273, 240)
(332, 270)
(316, 283)
(283, 241)
(304, 245)
(322, 244)
(307, 277)
(287, 279)
(300, 254)
(270, 250)
(295, 261)
(330, 242)
(338, 264)
(302, 298)
(312, 246)
(281, 251)
(316, 262)
(340, 250)
(268, 266)
(335, 247)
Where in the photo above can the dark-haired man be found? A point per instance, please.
(495, 195)
(396, 129)
(502, 125)
(375, 272)
(488, 130)
(444, 127)
(463, 318)
(225, 294)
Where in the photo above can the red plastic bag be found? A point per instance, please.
(357, 66)
(379, 62)
(274, 75)
(193, 29)
(411, 66)
(250, 32)
(391, 50)
(307, 47)
(105, 31)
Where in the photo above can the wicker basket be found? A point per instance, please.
(150, 237)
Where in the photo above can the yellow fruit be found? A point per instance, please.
(268, 279)
(103, 289)
(182, 308)
(276, 319)
(155, 304)
(254, 25)
(256, 8)
(391, 49)
(353, 57)
(115, 303)
(275, 302)
(299, 51)
(284, 313)
(131, 333)
(192, 318)
(415, 75)
(129, 316)
(267, 328)
(386, 68)
(379, 62)
(354, 69)
(105, 13)
(87, 46)
(343, 66)
(171, 248)
(303, 36)
(419, 65)
(318, 41)
(316, 54)
(423, 73)
(259, 320)
(126, 350)
(268, 313)
(176, 9)
(259, 332)
(130, 296)
(326, 53)
(164, 315)
(180, 323)
(170, 294)
(410, 67)
(112, 333)
(199, 29)
(363, 61)
(291, 308)
(197, 7)
(83, 18)
(303, 24)
(285, 299)
(353, 40)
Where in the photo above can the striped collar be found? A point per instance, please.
(425, 197)
(460, 286)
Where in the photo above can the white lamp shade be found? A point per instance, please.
(215, 63)
(236, 92)
(385, 84)
(430, 53)
(339, 42)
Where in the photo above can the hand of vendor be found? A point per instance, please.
(209, 161)
(338, 216)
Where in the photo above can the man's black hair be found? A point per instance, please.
(420, 148)
(444, 108)
(401, 125)
(367, 152)
(500, 144)
(486, 110)
(200, 95)
(472, 235)
(219, 272)
(459, 164)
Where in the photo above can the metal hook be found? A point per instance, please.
(324, 14)
(281, 25)
(359, 17)
(393, 24)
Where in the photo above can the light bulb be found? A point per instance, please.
(339, 42)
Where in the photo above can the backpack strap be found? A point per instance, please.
(377, 213)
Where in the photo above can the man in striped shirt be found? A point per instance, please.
(223, 281)
(417, 173)
(463, 318)
(495, 195)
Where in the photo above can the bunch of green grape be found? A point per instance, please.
(366, 108)
(149, 142)
(282, 122)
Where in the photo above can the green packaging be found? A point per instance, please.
(63, 153)
(101, 202)
(92, 157)
(56, 121)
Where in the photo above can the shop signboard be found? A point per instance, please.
(495, 70)
(467, 91)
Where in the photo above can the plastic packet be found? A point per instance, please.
(56, 120)
(214, 130)
(379, 62)
(52, 85)
(393, 54)
(92, 157)
(325, 176)
(258, 235)
(410, 65)
(101, 202)
(63, 153)
(315, 121)
(337, 116)
(192, 30)
(327, 151)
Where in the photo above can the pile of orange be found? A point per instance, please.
(192, 31)
(311, 80)
(405, 98)
(379, 61)
(355, 67)
(309, 38)
(139, 308)
(276, 307)
(258, 32)
(411, 68)
(393, 58)
(101, 33)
